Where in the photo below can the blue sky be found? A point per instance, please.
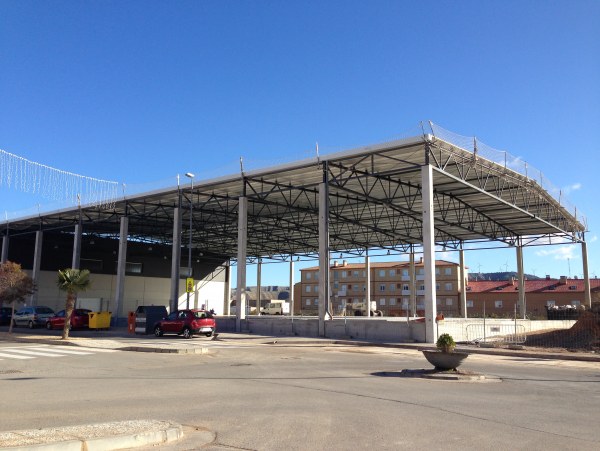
(140, 91)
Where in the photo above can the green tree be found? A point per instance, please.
(72, 281)
(15, 285)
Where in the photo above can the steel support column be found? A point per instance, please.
(587, 295)
(463, 282)
(121, 266)
(291, 299)
(37, 260)
(76, 247)
(323, 257)
(175, 259)
(227, 293)
(4, 256)
(521, 282)
(240, 303)
(429, 253)
(258, 284)
(368, 280)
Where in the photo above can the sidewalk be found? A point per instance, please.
(91, 437)
(117, 337)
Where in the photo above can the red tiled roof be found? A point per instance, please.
(531, 286)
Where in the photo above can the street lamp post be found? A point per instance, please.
(189, 271)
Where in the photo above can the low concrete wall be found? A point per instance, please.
(381, 329)
(391, 330)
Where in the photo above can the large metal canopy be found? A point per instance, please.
(375, 202)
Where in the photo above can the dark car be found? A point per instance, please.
(79, 319)
(5, 315)
(32, 316)
(186, 323)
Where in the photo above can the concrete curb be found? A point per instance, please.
(165, 350)
(94, 437)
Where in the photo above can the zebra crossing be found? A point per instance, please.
(42, 351)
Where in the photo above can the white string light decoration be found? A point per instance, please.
(50, 183)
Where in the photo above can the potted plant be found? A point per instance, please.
(445, 358)
(445, 343)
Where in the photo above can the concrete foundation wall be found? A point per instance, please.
(392, 330)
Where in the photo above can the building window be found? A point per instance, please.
(405, 287)
(404, 302)
(382, 273)
(422, 287)
(136, 268)
(437, 286)
(308, 276)
(355, 273)
(344, 274)
(392, 273)
(448, 286)
(438, 302)
(392, 301)
(576, 303)
(392, 287)
(336, 275)
(550, 303)
(382, 287)
(382, 301)
(316, 302)
(308, 288)
(498, 304)
(364, 273)
(469, 303)
(364, 288)
(449, 301)
(344, 287)
(448, 271)
(336, 284)
(405, 272)
(437, 271)
(307, 302)
(421, 271)
(354, 287)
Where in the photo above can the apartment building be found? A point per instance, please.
(499, 298)
(393, 288)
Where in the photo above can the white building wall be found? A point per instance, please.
(138, 291)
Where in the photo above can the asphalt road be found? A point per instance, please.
(273, 397)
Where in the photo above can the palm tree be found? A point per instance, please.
(72, 281)
(15, 285)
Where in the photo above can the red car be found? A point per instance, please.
(186, 323)
(79, 319)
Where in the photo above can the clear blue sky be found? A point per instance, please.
(139, 91)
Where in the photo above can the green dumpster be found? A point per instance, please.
(99, 320)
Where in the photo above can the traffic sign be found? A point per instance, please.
(189, 285)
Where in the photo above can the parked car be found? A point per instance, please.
(5, 315)
(32, 316)
(186, 323)
(79, 319)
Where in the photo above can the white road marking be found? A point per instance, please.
(11, 356)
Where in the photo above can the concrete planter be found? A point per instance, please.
(444, 361)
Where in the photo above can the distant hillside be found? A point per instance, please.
(498, 276)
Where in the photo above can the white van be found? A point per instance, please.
(276, 308)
